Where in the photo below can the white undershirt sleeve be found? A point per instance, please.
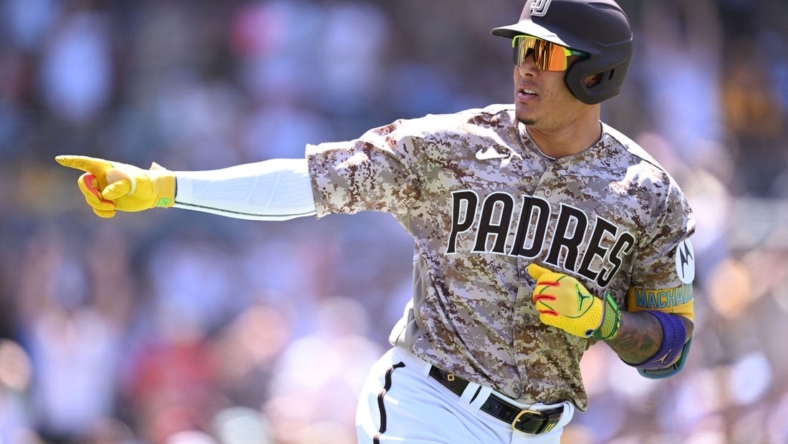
(277, 189)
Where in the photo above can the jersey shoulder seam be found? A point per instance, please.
(632, 147)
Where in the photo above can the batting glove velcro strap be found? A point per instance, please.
(611, 320)
(564, 303)
(110, 186)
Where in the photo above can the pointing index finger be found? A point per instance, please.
(84, 163)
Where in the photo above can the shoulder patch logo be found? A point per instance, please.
(539, 7)
(685, 262)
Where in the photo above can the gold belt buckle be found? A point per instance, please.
(519, 415)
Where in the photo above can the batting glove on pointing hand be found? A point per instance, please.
(564, 303)
(109, 186)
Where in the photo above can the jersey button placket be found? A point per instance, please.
(524, 302)
(519, 330)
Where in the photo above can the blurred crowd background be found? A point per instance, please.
(176, 327)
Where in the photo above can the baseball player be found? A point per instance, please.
(539, 231)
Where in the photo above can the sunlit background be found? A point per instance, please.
(174, 327)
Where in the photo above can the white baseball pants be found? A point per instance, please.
(401, 403)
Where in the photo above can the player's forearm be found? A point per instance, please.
(640, 336)
(277, 189)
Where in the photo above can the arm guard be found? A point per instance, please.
(672, 353)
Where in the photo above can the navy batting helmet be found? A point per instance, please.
(598, 27)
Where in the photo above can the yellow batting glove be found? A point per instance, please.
(564, 303)
(109, 186)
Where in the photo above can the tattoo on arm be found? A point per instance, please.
(640, 336)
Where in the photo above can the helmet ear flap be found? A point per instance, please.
(609, 83)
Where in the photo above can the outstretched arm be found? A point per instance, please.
(277, 189)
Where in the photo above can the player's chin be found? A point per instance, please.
(527, 119)
(524, 114)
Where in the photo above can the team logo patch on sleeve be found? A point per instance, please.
(685, 262)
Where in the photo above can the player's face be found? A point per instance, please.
(542, 99)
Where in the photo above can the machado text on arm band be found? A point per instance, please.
(670, 357)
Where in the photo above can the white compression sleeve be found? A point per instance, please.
(277, 189)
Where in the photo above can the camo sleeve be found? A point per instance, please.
(664, 268)
(372, 173)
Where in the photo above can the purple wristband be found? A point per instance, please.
(674, 334)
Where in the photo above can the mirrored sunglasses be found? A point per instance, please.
(548, 56)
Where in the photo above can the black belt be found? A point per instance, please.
(525, 420)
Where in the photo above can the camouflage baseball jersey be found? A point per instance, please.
(482, 202)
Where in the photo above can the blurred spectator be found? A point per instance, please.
(327, 368)
(246, 352)
(73, 345)
(76, 76)
(755, 118)
(682, 53)
(239, 425)
(15, 376)
(172, 386)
